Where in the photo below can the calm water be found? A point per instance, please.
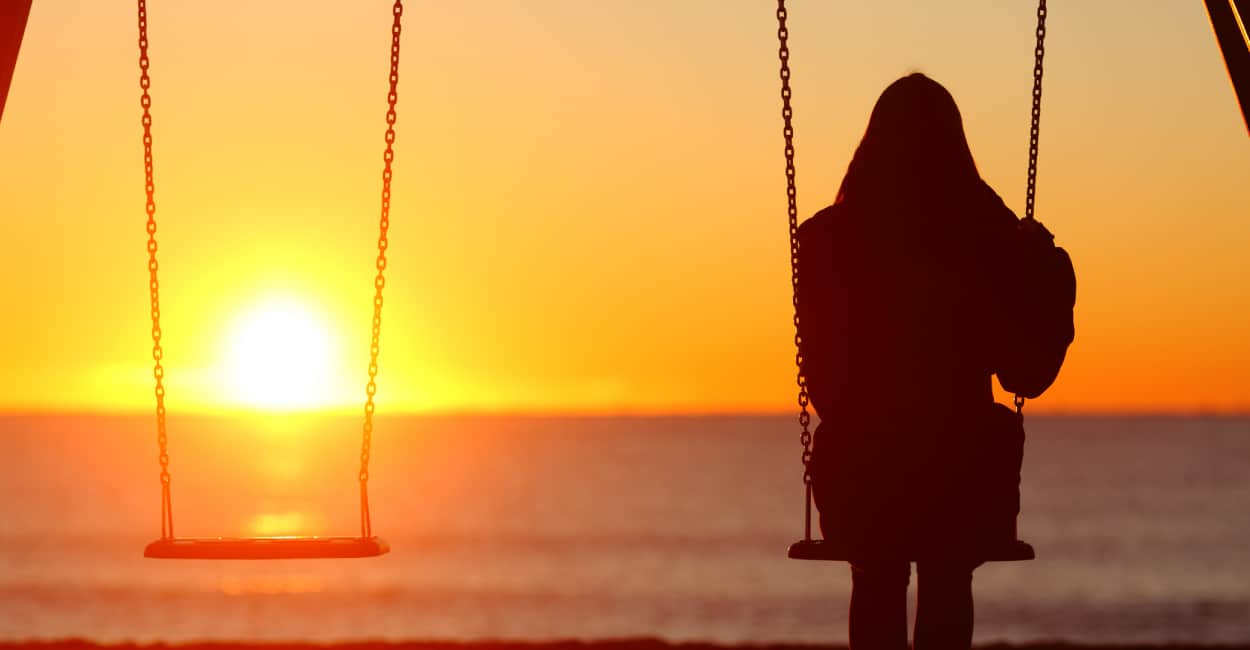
(531, 528)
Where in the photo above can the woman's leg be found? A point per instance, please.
(879, 605)
(944, 605)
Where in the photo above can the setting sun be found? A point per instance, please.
(280, 355)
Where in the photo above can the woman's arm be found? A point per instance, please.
(819, 328)
(1037, 308)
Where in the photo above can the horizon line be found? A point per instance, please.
(640, 413)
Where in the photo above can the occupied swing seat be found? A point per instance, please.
(265, 548)
(992, 464)
(820, 549)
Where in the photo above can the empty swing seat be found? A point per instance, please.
(819, 549)
(265, 548)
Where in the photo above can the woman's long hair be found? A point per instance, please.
(914, 151)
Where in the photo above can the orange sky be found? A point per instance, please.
(589, 205)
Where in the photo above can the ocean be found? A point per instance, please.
(535, 528)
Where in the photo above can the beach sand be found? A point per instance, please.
(621, 644)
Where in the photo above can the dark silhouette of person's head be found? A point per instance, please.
(914, 150)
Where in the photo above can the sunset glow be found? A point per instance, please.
(616, 244)
(280, 355)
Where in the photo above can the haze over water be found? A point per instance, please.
(538, 528)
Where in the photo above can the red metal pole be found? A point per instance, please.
(13, 14)
(1234, 47)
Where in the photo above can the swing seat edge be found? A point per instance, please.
(265, 548)
(819, 549)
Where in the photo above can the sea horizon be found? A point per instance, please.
(546, 528)
(643, 413)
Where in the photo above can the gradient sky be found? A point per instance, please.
(589, 206)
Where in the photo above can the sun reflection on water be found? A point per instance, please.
(270, 585)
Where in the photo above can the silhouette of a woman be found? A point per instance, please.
(916, 286)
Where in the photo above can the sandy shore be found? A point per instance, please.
(622, 644)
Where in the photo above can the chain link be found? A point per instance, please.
(154, 285)
(792, 209)
(1035, 129)
(379, 281)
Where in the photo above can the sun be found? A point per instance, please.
(281, 355)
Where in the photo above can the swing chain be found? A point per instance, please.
(1035, 129)
(154, 285)
(158, 370)
(1039, 51)
(787, 114)
(379, 281)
